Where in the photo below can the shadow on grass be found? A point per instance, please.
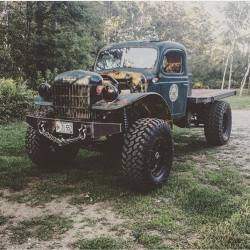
(86, 180)
(190, 142)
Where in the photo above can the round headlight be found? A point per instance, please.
(155, 80)
(44, 90)
(110, 93)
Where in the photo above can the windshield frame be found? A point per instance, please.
(154, 69)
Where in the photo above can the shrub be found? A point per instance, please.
(35, 81)
(199, 85)
(15, 100)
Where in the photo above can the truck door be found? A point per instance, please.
(173, 79)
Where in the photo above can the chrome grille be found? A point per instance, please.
(71, 101)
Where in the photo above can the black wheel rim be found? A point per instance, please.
(158, 158)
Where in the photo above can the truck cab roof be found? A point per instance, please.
(161, 45)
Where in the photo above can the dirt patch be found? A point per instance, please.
(88, 221)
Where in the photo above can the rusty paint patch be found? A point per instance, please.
(138, 80)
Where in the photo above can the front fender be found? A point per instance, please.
(151, 101)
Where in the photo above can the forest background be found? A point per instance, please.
(41, 39)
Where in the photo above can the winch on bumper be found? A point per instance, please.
(64, 132)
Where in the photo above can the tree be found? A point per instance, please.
(42, 37)
(237, 19)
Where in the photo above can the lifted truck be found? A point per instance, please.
(137, 91)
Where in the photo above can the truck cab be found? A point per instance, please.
(163, 64)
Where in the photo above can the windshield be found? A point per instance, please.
(144, 58)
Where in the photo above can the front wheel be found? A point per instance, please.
(147, 153)
(218, 123)
(43, 153)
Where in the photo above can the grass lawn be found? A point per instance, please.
(239, 102)
(205, 203)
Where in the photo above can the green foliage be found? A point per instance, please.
(41, 37)
(48, 76)
(15, 99)
(198, 85)
(38, 37)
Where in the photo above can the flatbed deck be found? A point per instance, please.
(209, 95)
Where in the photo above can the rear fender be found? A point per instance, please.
(149, 104)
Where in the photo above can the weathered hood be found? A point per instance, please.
(79, 77)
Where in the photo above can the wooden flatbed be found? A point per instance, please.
(209, 95)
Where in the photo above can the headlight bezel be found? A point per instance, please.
(44, 90)
(108, 91)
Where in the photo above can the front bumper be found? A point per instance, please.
(81, 130)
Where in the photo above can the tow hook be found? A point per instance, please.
(82, 132)
(41, 127)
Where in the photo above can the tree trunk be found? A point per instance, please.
(230, 71)
(225, 70)
(27, 50)
(248, 91)
(243, 82)
(230, 55)
(6, 23)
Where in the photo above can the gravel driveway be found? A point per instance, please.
(238, 150)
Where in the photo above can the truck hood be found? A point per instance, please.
(79, 77)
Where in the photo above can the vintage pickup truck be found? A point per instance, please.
(135, 95)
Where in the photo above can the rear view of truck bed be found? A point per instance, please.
(209, 95)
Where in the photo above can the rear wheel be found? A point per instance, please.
(43, 153)
(147, 153)
(218, 123)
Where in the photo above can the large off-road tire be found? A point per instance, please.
(43, 153)
(147, 153)
(218, 123)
